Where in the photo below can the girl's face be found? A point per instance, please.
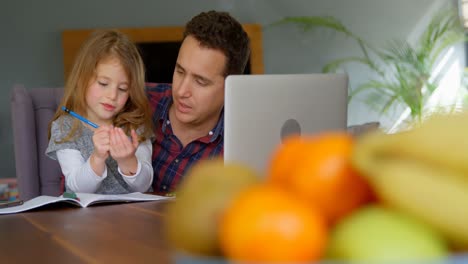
(107, 92)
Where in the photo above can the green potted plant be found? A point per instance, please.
(401, 72)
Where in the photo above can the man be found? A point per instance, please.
(188, 116)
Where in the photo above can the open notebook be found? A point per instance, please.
(83, 200)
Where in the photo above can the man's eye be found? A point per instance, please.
(179, 71)
(201, 82)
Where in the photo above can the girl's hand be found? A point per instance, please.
(122, 149)
(101, 141)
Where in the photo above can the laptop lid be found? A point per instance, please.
(260, 110)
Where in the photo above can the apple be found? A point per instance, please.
(377, 234)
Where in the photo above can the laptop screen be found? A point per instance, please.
(261, 110)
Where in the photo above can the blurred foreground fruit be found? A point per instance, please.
(423, 172)
(377, 235)
(318, 169)
(192, 219)
(266, 224)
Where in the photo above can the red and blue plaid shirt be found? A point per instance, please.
(170, 159)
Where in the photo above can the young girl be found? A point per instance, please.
(106, 86)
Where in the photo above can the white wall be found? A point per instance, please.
(31, 54)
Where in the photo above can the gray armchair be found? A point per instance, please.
(31, 111)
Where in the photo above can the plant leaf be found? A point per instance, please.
(307, 23)
(334, 65)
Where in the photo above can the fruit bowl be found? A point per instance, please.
(184, 258)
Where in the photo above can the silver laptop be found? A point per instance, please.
(261, 110)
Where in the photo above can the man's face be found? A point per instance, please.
(198, 84)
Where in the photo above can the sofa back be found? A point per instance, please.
(31, 111)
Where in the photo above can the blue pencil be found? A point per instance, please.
(79, 117)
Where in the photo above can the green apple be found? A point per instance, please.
(376, 234)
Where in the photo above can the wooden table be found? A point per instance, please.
(108, 233)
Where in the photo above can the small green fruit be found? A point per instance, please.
(375, 235)
(206, 191)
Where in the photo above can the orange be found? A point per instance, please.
(285, 157)
(266, 224)
(318, 169)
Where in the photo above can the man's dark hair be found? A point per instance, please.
(219, 30)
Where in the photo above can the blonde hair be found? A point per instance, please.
(100, 46)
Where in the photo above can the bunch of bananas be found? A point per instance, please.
(422, 171)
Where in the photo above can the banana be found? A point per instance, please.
(422, 171)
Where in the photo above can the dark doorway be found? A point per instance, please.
(160, 59)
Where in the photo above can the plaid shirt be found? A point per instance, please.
(170, 160)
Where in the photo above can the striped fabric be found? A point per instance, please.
(170, 160)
